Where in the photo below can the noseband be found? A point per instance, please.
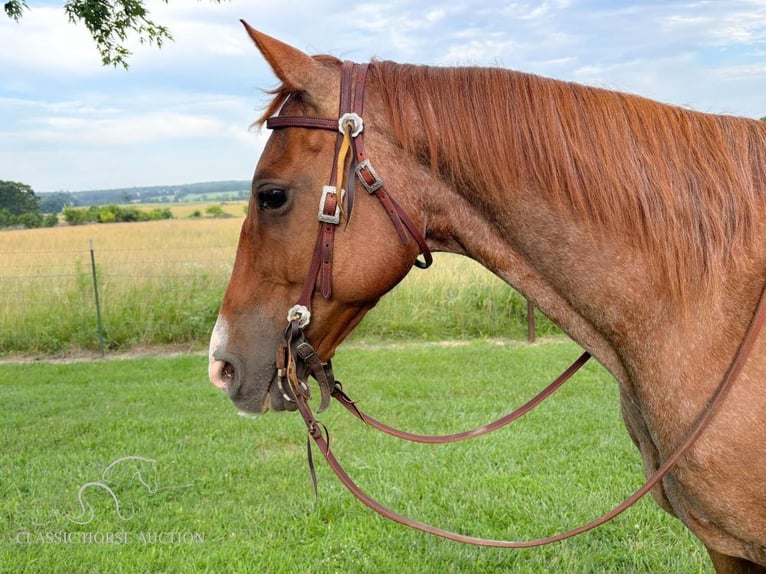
(297, 359)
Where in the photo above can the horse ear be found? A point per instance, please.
(297, 70)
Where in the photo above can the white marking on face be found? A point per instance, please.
(218, 341)
(219, 338)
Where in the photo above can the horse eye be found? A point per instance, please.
(271, 199)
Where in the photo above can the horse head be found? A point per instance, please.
(283, 246)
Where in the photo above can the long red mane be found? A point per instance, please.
(683, 185)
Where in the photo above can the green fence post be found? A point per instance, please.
(530, 322)
(98, 305)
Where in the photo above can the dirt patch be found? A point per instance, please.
(80, 356)
(76, 356)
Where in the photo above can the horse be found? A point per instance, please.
(634, 225)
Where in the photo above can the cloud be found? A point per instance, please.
(44, 39)
(131, 119)
(125, 129)
(182, 113)
(719, 24)
(744, 72)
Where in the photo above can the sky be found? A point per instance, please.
(182, 114)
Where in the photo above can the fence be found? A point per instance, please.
(60, 299)
(55, 300)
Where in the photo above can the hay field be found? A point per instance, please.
(161, 282)
(186, 210)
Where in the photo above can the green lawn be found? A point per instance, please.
(229, 493)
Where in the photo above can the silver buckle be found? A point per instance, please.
(333, 218)
(370, 187)
(357, 124)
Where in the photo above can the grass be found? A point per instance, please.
(455, 299)
(235, 490)
(162, 282)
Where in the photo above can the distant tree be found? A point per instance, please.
(113, 214)
(55, 202)
(160, 213)
(109, 23)
(18, 198)
(763, 119)
(29, 220)
(75, 216)
(106, 215)
(215, 211)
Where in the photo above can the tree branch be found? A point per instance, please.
(109, 23)
(15, 8)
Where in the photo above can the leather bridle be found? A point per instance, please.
(297, 359)
(350, 129)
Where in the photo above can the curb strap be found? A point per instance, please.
(294, 352)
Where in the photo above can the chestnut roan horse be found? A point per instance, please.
(636, 226)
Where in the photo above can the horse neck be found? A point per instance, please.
(594, 288)
(519, 233)
(580, 221)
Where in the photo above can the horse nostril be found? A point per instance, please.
(221, 373)
(227, 372)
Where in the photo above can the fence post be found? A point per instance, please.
(98, 304)
(530, 322)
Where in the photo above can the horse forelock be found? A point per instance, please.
(284, 92)
(683, 185)
(279, 95)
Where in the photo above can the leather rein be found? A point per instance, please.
(297, 359)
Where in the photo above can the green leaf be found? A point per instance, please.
(111, 23)
(15, 8)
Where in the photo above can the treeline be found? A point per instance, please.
(30, 220)
(113, 214)
(20, 207)
(212, 190)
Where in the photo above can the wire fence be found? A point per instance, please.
(58, 299)
(54, 299)
(21, 282)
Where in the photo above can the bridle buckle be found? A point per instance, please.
(334, 217)
(370, 179)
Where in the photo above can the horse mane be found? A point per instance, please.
(683, 185)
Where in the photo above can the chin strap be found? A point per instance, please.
(296, 360)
